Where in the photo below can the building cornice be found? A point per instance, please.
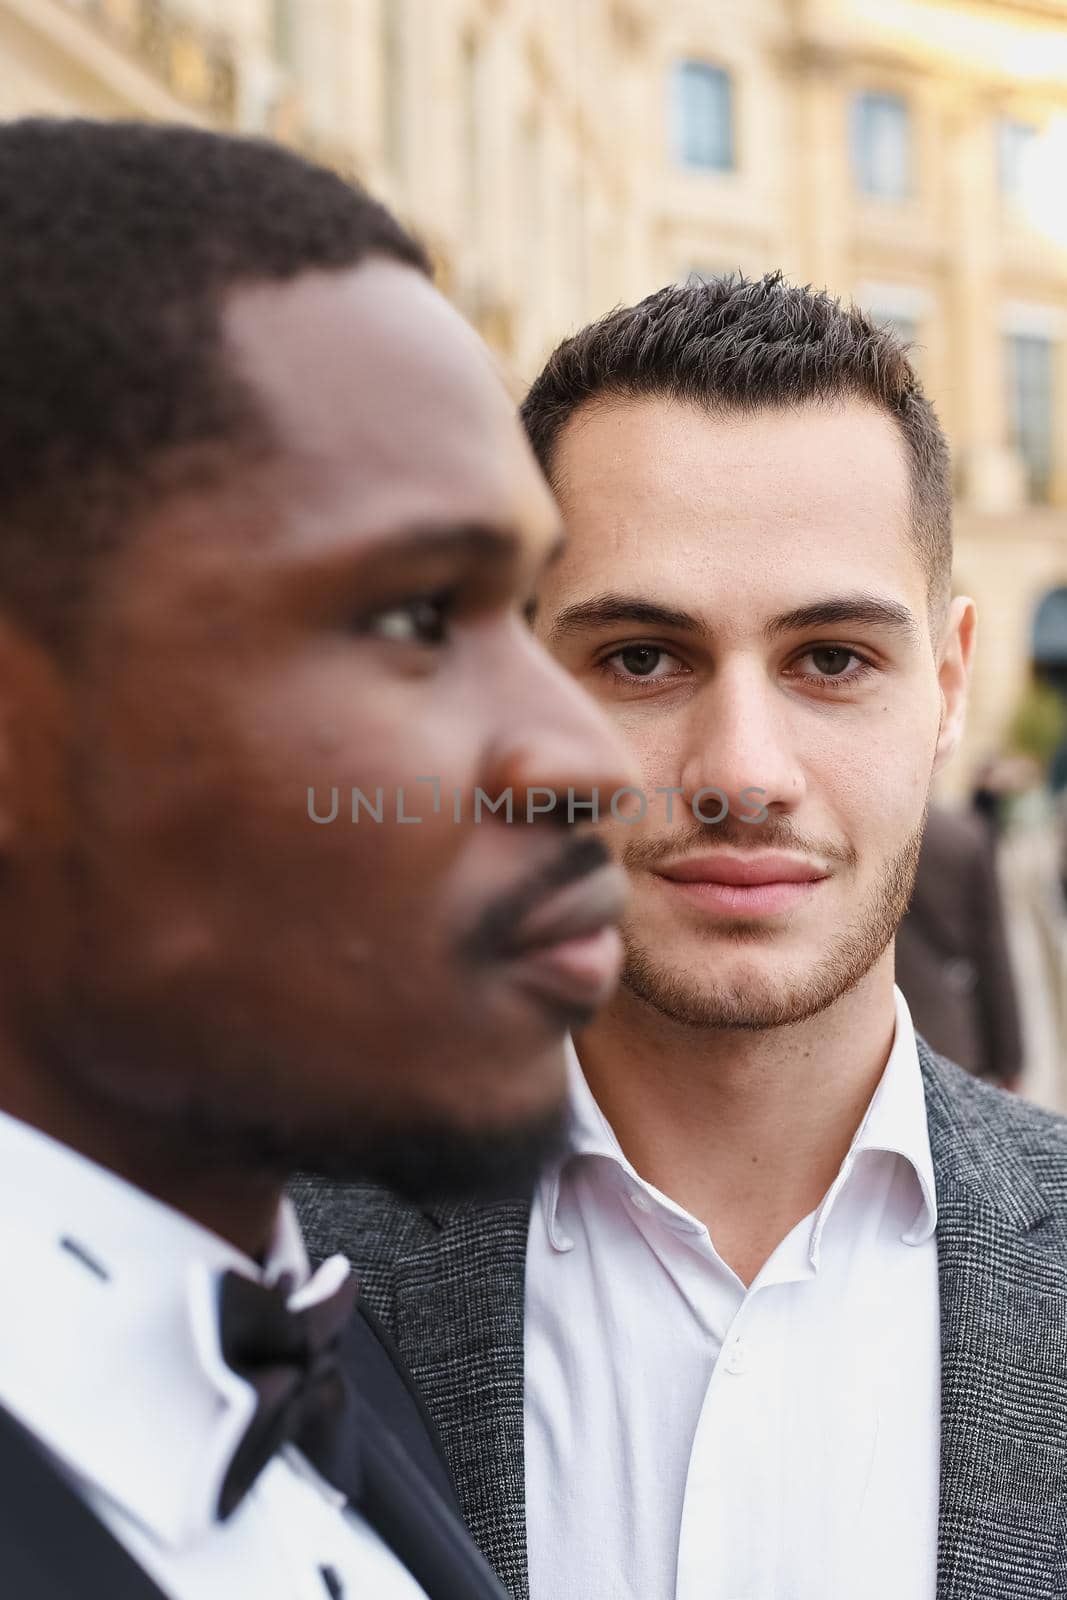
(147, 55)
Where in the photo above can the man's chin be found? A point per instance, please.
(425, 1157)
(435, 1162)
(751, 994)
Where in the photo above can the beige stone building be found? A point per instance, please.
(564, 155)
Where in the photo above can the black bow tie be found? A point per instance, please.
(291, 1359)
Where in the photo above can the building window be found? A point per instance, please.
(881, 145)
(702, 110)
(705, 273)
(1014, 141)
(1030, 401)
(904, 328)
(902, 309)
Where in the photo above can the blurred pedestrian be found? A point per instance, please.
(953, 961)
(998, 784)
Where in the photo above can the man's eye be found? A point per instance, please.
(831, 662)
(420, 620)
(641, 661)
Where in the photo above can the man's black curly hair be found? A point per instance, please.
(118, 244)
(736, 344)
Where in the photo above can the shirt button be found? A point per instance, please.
(641, 1201)
(735, 1360)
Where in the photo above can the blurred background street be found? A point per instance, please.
(561, 156)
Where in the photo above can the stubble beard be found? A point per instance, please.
(757, 1002)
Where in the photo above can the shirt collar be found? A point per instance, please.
(589, 1133)
(109, 1347)
(895, 1121)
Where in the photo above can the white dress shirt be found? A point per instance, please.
(109, 1353)
(691, 1439)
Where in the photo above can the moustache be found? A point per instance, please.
(775, 833)
(493, 935)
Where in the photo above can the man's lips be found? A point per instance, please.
(760, 867)
(568, 946)
(756, 884)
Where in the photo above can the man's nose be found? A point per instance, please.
(556, 751)
(739, 742)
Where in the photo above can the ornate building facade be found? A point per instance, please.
(561, 156)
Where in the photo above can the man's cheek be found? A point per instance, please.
(879, 823)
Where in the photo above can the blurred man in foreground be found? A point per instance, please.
(267, 525)
(788, 1319)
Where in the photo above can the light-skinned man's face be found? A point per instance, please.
(343, 614)
(743, 597)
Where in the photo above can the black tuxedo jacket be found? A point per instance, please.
(52, 1546)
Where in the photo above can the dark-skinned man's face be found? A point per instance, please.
(344, 614)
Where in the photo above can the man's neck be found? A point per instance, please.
(746, 1130)
(239, 1206)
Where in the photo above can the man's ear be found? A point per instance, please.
(955, 655)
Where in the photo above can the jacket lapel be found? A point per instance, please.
(459, 1324)
(53, 1546)
(409, 1513)
(447, 1284)
(1002, 1263)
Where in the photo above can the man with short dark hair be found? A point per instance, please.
(788, 1317)
(267, 526)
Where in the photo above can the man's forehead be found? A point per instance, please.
(372, 353)
(764, 506)
(792, 458)
(374, 386)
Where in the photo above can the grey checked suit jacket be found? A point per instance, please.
(448, 1283)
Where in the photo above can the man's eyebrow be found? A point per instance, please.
(482, 540)
(604, 610)
(861, 608)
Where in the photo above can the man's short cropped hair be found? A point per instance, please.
(736, 344)
(118, 244)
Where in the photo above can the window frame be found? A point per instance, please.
(1039, 467)
(862, 143)
(688, 70)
